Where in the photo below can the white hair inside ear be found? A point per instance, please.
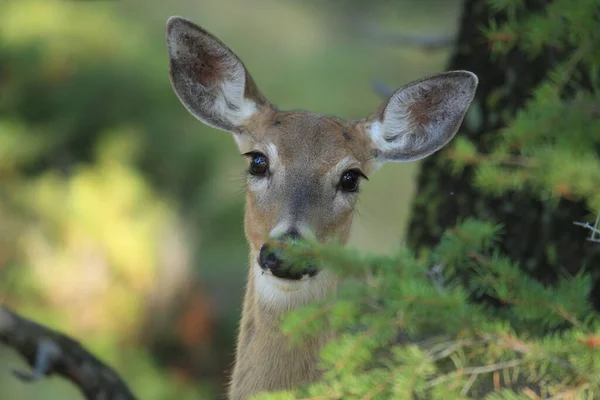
(421, 117)
(209, 79)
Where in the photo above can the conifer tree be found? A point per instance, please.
(496, 218)
(526, 155)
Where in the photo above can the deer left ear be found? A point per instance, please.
(209, 79)
(421, 117)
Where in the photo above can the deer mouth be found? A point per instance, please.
(271, 262)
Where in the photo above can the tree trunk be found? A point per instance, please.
(539, 235)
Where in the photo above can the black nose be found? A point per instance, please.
(270, 259)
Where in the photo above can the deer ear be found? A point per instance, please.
(421, 117)
(209, 79)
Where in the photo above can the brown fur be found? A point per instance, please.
(314, 144)
(308, 153)
(267, 360)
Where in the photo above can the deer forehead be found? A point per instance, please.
(304, 140)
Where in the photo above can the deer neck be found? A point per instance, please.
(266, 359)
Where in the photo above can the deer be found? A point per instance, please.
(302, 181)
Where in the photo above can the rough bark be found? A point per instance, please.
(532, 227)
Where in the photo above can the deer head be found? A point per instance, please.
(305, 169)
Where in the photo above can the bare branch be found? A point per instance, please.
(49, 352)
(484, 369)
(594, 230)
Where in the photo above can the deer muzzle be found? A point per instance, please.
(271, 261)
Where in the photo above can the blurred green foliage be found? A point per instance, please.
(96, 159)
(121, 215)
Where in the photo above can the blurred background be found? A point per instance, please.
(121, 215)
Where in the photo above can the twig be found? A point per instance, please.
(49, 352)
(484, 369)
(514, 344)
(594, 231)
(443, 350)
(468, 385)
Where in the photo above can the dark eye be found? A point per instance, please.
(349, 180)
(259, 165)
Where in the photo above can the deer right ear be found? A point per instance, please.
(421, 117)
(209, 79)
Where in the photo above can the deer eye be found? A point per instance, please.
(349, 180)
(259, 164)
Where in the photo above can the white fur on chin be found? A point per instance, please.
(285, 294)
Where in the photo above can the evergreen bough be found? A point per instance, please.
(413, 326)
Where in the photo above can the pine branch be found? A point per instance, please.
(515, 300)
(49, 352)
(357, 345)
